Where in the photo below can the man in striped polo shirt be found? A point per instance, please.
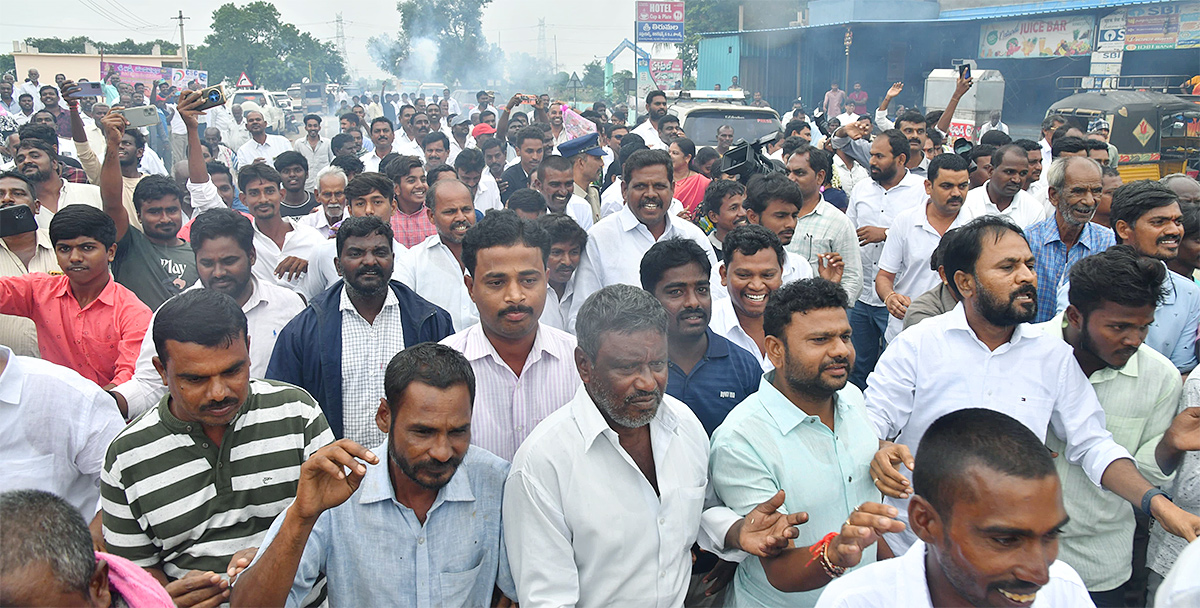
(190, 487)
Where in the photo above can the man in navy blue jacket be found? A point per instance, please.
(338, 348)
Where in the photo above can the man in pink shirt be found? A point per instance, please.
(85, 320)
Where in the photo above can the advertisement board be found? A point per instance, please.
(1068, 36)
(659, 22)
(148, 74)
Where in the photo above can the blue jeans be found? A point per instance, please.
(867, 324)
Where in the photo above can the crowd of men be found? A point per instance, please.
(459, 356)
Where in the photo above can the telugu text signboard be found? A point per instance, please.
(659, 22)
(1031, 38)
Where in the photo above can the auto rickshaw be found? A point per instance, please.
(1155, 134)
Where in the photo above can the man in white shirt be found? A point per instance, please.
(382, 135)
(773, 201)
(282, 250)
(904, 271)
(873, 205)
(752, 270)
(988, 511)
(567, 241)
(37, 161)
(57, 426)
(993, 124)
(314, 148)
(555, 179)
(1049, 125)
(473, 172)
(223, 240)
(616, 243)
(1002, 193)
(260, 146)
(656, 108)
(331, 194)
(434, 267)
(605, 497)
(524, 369)
(847, 116)
(984, 353)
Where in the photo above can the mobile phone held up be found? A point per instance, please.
(213, 96)
(88, 89)
(17, 219)
(964, 71)
(141, 116)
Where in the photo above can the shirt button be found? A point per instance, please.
(204, 445)
(850, 479)
(421, 540)
(662, 521)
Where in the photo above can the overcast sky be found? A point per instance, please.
(582, 31)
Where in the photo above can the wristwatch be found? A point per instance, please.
(1148, 496)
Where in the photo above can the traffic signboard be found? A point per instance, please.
(660, 22)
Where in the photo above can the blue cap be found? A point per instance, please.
(588, 144)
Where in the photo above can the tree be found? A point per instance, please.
(7, 62)
(702, 16)
(449, 30)
(273, 54)
(125, 47)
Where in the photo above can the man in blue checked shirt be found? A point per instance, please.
(1069, 235)
(424, 528)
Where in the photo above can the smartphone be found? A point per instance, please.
(17, 219)
(141, 116)
(529, 99)
(213, 96)
(88, 89)
(964, 71)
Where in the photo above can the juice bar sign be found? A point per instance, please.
(1031, 38)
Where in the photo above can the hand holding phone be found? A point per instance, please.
(82, 90)
(141, 116)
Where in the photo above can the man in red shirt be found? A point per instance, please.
(85, 320)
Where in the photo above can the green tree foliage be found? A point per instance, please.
(8, 63)
(448, 29)
(125, 47)
(702, 16)
(273, 54)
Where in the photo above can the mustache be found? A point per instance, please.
(1027, 290)
(517, 309)
(642, 395)
(843, 361)
(217, 405)
(690, 312)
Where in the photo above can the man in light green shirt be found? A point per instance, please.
(1113, 297)
(805, 432)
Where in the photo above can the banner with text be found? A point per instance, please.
(1032, 38)
(149, 74)
(1162, 27)
(659, 22)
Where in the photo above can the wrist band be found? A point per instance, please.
(820, 552)
(1149, 496)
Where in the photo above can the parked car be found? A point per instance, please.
(266, 103)
(702, 112)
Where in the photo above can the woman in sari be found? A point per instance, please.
(689, 184)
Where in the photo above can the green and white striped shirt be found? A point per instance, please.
(174, 499)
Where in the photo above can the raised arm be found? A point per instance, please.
(188, 100)
(960, 89)
(112, 188)
(323, 485)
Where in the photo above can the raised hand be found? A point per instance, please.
(830, 266)
(894, 90)
(324, 483)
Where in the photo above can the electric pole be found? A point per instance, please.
(182, 42)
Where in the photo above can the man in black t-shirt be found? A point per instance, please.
(153, 263)
(293, 168)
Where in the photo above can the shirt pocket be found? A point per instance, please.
(689, 506)
(457, 586)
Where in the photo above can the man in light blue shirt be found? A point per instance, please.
(1146, 215)
(424, 529)
(806, 432)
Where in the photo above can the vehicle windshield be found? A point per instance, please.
(257, 98)
(701, 125)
